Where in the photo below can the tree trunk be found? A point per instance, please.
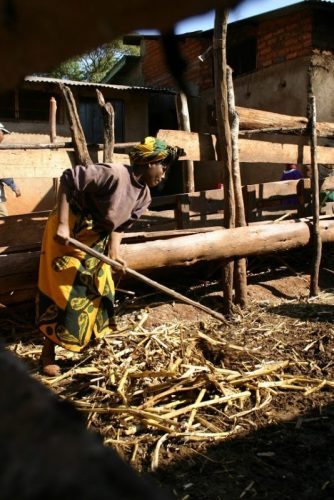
(240, 269)
(224, 143)
(237, 242)
(108, 116)
(18, 271)
(78, 137)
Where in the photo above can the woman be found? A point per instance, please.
(95, 204)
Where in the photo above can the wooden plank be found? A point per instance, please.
(51, 163)
(279, 189)
(268, 152)
(263, 199)
(22, 232)
(162, 201)
(197, 146)
(43, 163)
(206, 202)
(17, 296)
(201, 147)
(17, 264)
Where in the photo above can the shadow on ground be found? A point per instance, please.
(289, 460)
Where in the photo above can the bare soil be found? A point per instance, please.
(281, 451)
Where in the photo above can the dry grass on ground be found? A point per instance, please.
(172, 383)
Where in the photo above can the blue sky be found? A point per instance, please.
(247, 9)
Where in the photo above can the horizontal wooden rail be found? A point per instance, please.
(24, 232)
(202, 147)
(46, 162)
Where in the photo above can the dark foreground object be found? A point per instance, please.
(47, 452)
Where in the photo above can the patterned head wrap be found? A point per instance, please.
(152, 149)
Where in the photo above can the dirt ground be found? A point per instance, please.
(278, 444)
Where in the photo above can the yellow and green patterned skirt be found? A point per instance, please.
(75, 291)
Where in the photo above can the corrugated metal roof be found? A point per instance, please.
(45, 79)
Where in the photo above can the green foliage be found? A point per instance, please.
(69, 69)
(95, 65)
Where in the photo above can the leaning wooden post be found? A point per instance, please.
(184, 124)
(224, 148)
(53, 137)
(108, 116)
(82, 156)
(314, 283)
(240, 268)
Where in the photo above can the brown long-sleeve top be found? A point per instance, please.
(108, 191)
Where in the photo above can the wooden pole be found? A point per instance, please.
(314, 283)
(145, 279)
(53, 138)
(224, 147)
(184, 124)
(82, 156)
(108, 115)
(52, 120)
(240, 268)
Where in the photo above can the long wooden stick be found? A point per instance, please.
(317, 242)
(145, 279)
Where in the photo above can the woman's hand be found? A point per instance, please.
(62, 234)
(114, 248)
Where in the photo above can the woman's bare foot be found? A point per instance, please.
(48, 359)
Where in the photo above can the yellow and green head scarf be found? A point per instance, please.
(152, 149)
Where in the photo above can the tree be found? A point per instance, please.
(95, 65)
(70, 70)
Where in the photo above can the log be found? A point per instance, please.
(246, 241)
(252, 119)
(226, 243)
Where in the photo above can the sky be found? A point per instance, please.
(247, 9)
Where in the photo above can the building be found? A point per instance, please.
(25, 112)
(274, 56)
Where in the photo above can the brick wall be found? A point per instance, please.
(157, 73)
(285, 38)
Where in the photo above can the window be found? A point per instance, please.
(242, 56)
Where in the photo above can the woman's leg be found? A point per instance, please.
(48, 359)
